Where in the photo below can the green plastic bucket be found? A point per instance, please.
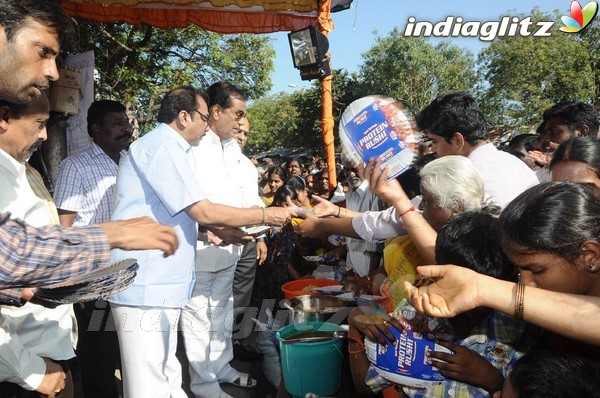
(310, 367)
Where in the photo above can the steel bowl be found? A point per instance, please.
(315, 308)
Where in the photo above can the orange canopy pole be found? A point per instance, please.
(325, 26)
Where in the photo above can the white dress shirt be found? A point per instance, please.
(504, 176)
(223, 172)
(30, 332)
(376, 226)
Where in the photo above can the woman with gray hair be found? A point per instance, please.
(450, 185)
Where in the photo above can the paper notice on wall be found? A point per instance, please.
(78, 138)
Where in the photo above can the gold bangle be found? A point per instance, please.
(339, 209)
(519, 301)
(264, 216)
(418, 226)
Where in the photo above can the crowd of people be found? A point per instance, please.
(517, 228)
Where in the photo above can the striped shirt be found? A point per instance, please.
(36, 256)
(85, 184)
(359, 251)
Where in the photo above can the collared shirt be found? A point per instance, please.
(156, 179)
(36, 181)
(361, 199)
(41, 256)
(544, 174)
(504, 176)
(223, 173)
(30, 332)
(16, 195)
(85, 184)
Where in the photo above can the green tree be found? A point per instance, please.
(137, 63)
(524, 75)
(273, 119)
(414, 71)
(293, 121)
(346, 89)
(591, 40)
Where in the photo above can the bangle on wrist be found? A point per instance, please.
(519, 300)
(339, 209)
(355, 340)
(264, 216)
(416, 227)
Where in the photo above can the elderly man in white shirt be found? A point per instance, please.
(456, 126)
(207, 319)
(33, 339)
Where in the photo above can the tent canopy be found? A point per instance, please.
(221, 16)
(227, 16)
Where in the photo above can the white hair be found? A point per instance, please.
(455, 184)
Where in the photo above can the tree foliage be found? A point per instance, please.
(136, 63)
(273, 119)
(414, 71)
(590, 39)
(524, 75)
(294, 120)
(515, 79)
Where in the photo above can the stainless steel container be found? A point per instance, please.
(316, 308)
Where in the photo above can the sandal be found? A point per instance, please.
(243, 381)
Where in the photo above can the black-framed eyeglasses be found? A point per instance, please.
(202, 116)
(238, 115)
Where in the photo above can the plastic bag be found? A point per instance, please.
(268, 345)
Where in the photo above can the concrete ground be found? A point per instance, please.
(253, 367)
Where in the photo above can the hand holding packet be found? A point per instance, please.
(377, 126)
(405, 362)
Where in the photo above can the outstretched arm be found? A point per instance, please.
(390, 191)
(458, 289)
(39, 256)
(313, 226)
(215, 214)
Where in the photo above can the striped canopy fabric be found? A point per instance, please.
(222, 16)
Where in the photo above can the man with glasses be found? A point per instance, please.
(31, 35)
(157, 179)
(84, 195)
(207, 319)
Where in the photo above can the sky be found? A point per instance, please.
(354, 29)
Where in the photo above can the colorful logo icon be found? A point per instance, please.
(580, 17)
